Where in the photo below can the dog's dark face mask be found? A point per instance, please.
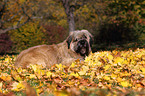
(82, 47)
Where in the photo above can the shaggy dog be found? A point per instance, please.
(76, 46)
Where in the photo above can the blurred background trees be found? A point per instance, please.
(26, 23)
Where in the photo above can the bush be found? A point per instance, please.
(54, 34)
(27, 36)
(33, 34)
(124, 22)
(115, 33)
(5, 43)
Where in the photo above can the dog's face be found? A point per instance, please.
(80, 42)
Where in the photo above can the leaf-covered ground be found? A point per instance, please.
(102, 73)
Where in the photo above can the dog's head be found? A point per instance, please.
(80, 41)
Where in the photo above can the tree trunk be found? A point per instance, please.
(71, 21)
(69, 10)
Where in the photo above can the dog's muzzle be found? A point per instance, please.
(82, 47)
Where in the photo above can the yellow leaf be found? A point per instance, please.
(32, 76)
(19, 69)
(113, 76)
(138, 85)
(110, 57)
(5, 77)
(143, 70)
(72, 65)
(107, 67)
(17, 86)
(40, 90)
(34, 67)
(82, 72)
(85, 68)
(15, 75)
(118, 60)
(106, 77)
(59, 66)
(70, 83)
(1, 84)
(99, 63)
(125, 83)
(119, 79)
(7, 59)
(41, 72)
(74, 74)
(92, 75)
(48, 74)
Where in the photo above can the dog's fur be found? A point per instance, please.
(76, 46)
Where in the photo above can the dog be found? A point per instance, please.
(77, 46)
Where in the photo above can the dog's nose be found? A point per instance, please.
(82, 42)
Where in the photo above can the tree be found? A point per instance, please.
(71, 6)
(69, 9)
(23, 13)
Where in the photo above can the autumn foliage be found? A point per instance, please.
(54, 34)
(36, 22)
(110, 21)
(102, 73)
(5, 43)
(27, 36)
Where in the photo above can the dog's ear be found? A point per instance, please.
(91, 40)
(69, 39)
